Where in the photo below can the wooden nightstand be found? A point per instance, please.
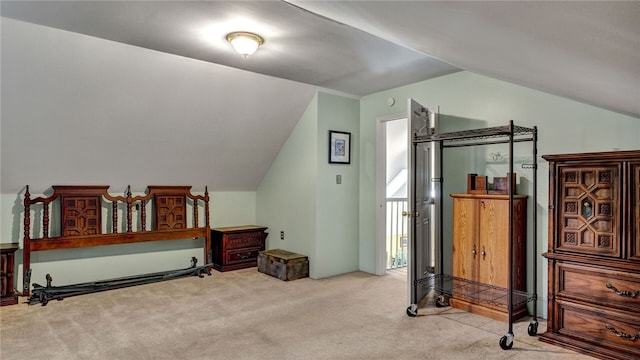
(6, 275)
(237, 247)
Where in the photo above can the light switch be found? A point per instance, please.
(338, 179)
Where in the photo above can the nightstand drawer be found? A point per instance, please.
(243, 240)
(606, 287)
(241, 256)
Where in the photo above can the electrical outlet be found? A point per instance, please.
(281, 235)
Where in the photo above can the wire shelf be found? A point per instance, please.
(452, 286)
(492, 132)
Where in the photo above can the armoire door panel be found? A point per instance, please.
(465, 244)
(494, 217)
(590, 221)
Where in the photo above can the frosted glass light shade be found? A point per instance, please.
(245, 43)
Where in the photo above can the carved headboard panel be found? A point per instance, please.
(83, 223)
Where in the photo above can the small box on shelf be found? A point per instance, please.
(501, 184)
(476, 184)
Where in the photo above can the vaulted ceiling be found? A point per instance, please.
(586, 51)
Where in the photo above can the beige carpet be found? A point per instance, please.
(248, 315)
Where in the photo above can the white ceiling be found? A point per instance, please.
(585, 51)
(299, 45)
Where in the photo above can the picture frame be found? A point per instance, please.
(339, 147)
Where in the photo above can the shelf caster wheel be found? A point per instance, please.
(506, 342)
(442, 301)
(412, 311)
(533, 328)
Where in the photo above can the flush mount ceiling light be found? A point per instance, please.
(245, 43)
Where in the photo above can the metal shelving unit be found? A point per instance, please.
(449, 286)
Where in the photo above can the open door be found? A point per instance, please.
(424, 201)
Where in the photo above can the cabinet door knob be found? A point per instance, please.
(474, 252)
(483, 253)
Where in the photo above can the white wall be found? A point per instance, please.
(232, 208)
(470, 101)
(286, 197)
(299, 194)
(336, 240)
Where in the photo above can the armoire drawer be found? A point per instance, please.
(243, 240)
(242, 255)
(606, 287)
(616, 330)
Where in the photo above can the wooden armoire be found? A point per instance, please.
(480, 254)
(594, 253)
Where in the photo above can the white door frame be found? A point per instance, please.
(381, 196)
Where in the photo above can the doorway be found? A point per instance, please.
(392, 196)
(407, 196)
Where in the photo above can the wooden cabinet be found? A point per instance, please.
(481, 253)
(634, 207)
(237, 247)
(594, 253)
(7, 274)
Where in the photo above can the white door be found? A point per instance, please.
(424, 199)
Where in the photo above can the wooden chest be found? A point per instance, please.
(237, 247)
(283, 264)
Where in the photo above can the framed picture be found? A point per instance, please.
(339, 147)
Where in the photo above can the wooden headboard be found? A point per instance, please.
(82, 219)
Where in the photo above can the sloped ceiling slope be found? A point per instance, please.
(81, 110)
(82, 107)
(299, 45)
(587, 51)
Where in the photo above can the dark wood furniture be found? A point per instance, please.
(594, 253)
(7, 262)
(237, 247)
(481, 251)
(83, 222)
